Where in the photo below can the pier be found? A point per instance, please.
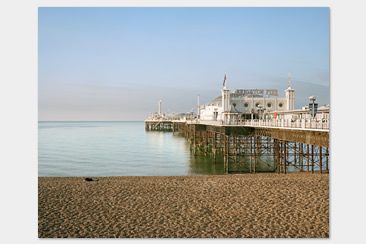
(159, 125)
(256, 145)
(255, 130)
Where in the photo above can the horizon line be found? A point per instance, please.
(90, 120)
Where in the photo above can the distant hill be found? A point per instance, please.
(304, 90)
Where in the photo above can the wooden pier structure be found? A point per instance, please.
(253, 147)
(159, 125)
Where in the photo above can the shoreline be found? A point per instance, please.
(263, 205)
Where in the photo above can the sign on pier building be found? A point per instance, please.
(256, 92)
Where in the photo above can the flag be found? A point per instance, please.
(223, 84)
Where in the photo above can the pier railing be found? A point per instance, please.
(306, 124)
(300, 124)
(297, 124)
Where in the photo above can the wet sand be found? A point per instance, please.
(227, 206)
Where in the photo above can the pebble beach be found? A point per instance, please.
(265, 205)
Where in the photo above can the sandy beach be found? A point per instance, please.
(226, 206)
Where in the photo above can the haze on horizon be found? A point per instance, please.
(116, 63)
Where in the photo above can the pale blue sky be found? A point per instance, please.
(116, 63)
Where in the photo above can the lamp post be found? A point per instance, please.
(260, 111)
(159, 107)
(198, 106)
(312, 104)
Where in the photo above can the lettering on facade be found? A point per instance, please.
(257, 92)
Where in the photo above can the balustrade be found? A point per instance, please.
(282, 123)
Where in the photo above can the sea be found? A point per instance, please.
(116, 149)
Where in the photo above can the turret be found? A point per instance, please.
(290, 96)
(225, 96)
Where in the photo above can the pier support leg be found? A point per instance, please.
(194, 140)
(235, 139)
(321, 159)
(312, 159)
(251, 139)
(214, 145)
(255, 153)
(295, 154)
(285, 157)
(307, 157)
(276, 155)
(207, 142)
(281, 156)
(327, 160)
(301, 155)
(226, 158)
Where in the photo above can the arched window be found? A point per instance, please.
(280, 105)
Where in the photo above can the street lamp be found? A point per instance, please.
(260, 110)
(312, 105)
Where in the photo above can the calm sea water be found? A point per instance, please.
(115, 148)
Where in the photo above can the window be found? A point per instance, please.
(280, 105)
(257, 104)
(246, 105)
(269, 105)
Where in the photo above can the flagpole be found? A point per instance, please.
(224, 83)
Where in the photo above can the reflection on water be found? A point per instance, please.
(115, 148)
(206, 165)
(125, 148)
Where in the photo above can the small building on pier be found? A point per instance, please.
(322, 114)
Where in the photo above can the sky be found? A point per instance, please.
(117, 63)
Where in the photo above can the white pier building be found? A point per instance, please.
(252, 104)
